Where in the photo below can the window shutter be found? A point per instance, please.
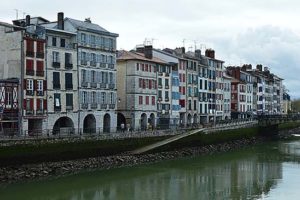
(31, 104)
(45, 85)
(38, 104)
(35, 86)
(24, 84)
(24, 104)
(45, 104)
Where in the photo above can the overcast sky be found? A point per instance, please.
(241, 31)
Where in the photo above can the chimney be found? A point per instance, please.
(148, 52)
(180, 50)
(60, 21)
(198, 53)
(27, 20)
(259, 67)
(210, 53)
(88, 20)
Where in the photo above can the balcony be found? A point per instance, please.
(166, 86)
(167, 74)
(103, 65)
(83, 62)
(56, 64)
(112, 106)
(69, 86)
(29, 92)
(40, 112)
(69, 107)
(30, 53)
(30, 72)
(40, 55)
(159, 86)
(39, 73)
(56, 86)
(84, 106)
(111, 66)
(84, 84)
(111, 86)
(167, 99)
(29, 112)
(94, 105)
(68, 65)
(103, 85)
(103, 106)
(93, 63)
(93, 85)
(57, 108)
(39, 93)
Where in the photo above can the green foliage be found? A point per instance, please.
(289, 125)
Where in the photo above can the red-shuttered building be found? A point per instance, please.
(34, 84)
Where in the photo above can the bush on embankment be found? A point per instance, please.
(38, 152)
(289, 125)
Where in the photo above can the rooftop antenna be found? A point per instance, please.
(191, 48)
(195, 43)
(183, 42)
(17, 13)
(24, 13)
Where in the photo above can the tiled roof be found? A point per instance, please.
(127, 55)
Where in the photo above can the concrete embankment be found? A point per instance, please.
(199, 144)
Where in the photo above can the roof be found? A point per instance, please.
(10, 25)
(127, 55)
(83, 25)
(59, 31)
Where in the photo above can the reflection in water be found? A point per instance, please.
(246, 174)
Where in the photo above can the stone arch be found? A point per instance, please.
(89, 124)
(189, 119)
(144, 121)
(106, 123)
(121, 120)
(63, 125)
(152, 120)
(195, 119)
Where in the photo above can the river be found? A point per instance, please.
(268, 171)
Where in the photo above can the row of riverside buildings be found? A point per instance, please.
(67, 76)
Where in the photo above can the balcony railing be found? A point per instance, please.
(93, 85)
(94, 105)
(40, 93)
(84, 84)
(84, 106)
(93, 63)
(57, 108)
(56, 64)
(103, 65)
(69, 86)
(68, 65)
(39, 73)
(112, 106)
(103, 106)
(111, 66)
(111, 86)
(69, 107)
(40, 55)
(30, 72)
(30, 53)
(103, 85)
(56, 86)
(40, 112)
(30, 92)
(83, 62)
(29, 112)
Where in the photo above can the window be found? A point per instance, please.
(159, 94)
(83, 37)
(84, 99)
(40, 47)
(54, 41)
(103, 97)
(68, 81)
(111, 78)
(93, 40)
(55, 57)
(69, 101)
(57, 102)
(137, 67)
(40, 85)
(29, 48)
(83, 76)
(153, 100)
(147, 100)
(68, 58)
(112, 98)
(182, 103)
(167, 83)
(29, 84)
(62, 42)
(94, 97)
(29, 67)
(56, 80)
(195, 105)
(40, 68)
(159, 82)
(39, 104)
(166, 95)
(140, 100)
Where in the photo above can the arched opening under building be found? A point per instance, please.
(64, 125)
(152, 120)
(195, 120)
(121, 120)
(106, 123)
(144, 122)
(182, 120)
(89, 124)
(189, 120)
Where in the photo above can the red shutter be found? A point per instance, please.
(38, 104)
(45, 104)
(29, 64)
(24, 84)
(35, 86)
(150, 84)
(31, 104)
(24, 104)
(39, 66)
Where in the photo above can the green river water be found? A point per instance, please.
(268, 171)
